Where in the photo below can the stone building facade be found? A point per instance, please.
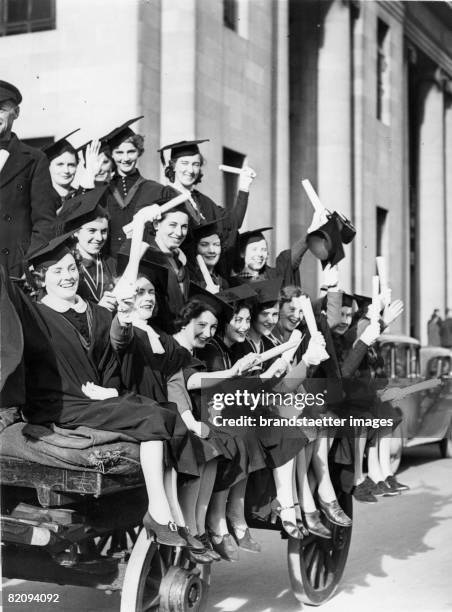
(356, 96)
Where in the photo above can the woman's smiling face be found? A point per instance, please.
(200, 329)
(266, 320)
(238, 326)
(61, 278)
(187, 169)
(145, 298)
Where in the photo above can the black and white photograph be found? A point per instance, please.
(225, 305)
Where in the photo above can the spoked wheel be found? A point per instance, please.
(316, 565)
(161, 579)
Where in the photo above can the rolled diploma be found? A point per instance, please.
(313, 197)
(205, 273)
(231, 169)
(183, 197)
(276, 351)
(382, 272)
(375, 298)
(295, 336)
(310, 320)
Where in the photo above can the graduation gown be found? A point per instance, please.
(58, 361)
(141, 192)
(96, 277)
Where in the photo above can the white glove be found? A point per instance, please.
(392, 311)
(315, 353)
(108, 301)
(370, 334)
(246, 177)
(95, 392)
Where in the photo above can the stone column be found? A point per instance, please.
(448, 187)
(281, 196)
(178, 49)
(334, 123)
(431, 209)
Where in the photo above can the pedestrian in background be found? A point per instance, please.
(434, 329)
(446, 330)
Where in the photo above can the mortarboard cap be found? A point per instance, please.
(114, 138)
(208, 229)
(158, 275)
(54, 149)
(80, 209)
(267, 291)
(104, 147)
(52, 251)
(252, 235)
(180, 149)
(220, 306)
(346, 227)
(362, 301)
(347, 300)
(8, 91)
(325, 243)
(238, 293)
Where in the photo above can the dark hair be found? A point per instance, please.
(66, 148)
(38, 274)
(258, 308)
(289, 292)
(239, 261)
(136, 139)
(237, 307)
(144, 275)
(192, 310)
(170, 173)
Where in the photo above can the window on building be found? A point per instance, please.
(382, 215)
(383, 81)
(231, 181)
(235, 16)
(23, 16)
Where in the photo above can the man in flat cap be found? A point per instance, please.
(27, 201)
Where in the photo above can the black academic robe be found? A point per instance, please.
(122, 208)
(58, 361)
(94, 280)
(27, 204)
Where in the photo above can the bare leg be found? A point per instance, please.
(322, 472)
(236, 507)
(171, 493)
(283, 484)
(216, 515)
(151, 458)
(385, 456)
(205, 493)
(373, 463)
(188, 494)
(360, 446)
(304, 490)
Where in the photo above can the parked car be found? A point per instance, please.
(427, 416)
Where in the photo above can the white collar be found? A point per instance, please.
(60, 305)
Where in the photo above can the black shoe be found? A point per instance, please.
(362, 493)
(192, 542)
(163, 534)
(204, 539)
(334, 513)
(374, 488)
(226, 547)
(382, 489)
(246, 542)
(392, 482)
(315, 525)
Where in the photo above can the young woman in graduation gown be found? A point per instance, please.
(73, 376)
(183, 170)
(128, 191)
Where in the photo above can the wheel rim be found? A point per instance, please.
(316, 564)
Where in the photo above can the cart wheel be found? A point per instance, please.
(162, 579)
(316, 564)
